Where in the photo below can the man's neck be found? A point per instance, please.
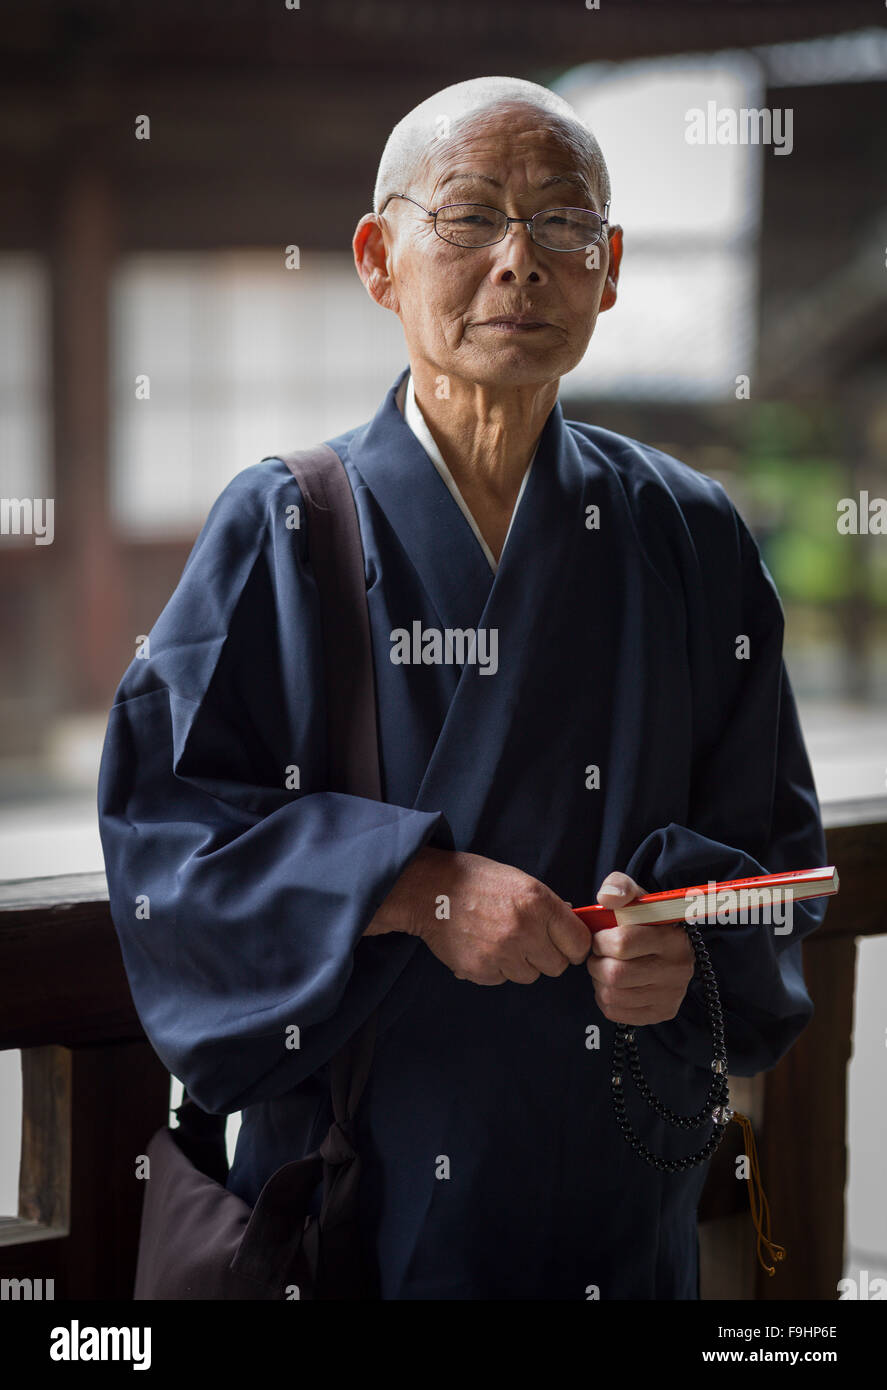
(486, 435)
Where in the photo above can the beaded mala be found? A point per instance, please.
(714, 1108)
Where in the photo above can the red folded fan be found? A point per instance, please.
(736, 894)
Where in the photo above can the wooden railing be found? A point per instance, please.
(94, 1092)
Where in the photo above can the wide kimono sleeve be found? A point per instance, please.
(239, 886)
(753, 806)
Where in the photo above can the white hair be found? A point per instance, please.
(411, 139)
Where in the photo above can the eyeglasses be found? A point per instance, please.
(475, 224)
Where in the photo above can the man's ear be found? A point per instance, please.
(372, 261)
(608, 298)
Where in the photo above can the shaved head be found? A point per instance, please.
(450, 111)
(508, 316)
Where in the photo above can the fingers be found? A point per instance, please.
(522, 966)
(486, 978)
(553, 938)
(618, 889)
(644, 988)
(625, 974)
(626, 943)
(518, 972)
(644, 973)
(542, 955)
(667, 941)
(655, 1001)
(566, 942)
(569, 936)
(640, 1014)
(523, 972)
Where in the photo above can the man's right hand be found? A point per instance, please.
(502, 925)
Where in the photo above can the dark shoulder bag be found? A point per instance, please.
(197, 1239)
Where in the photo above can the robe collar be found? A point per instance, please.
(431, 527)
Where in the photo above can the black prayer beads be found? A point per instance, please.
(715, 1108)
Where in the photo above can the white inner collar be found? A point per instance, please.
(406, 400)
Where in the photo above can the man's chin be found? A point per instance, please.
(516, 364)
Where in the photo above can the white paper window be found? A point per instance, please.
(244, 358)
(684, 324)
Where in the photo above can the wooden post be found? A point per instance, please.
(93, 1089)
(727, 1239)
(87, 1114)
(801, 1145)
(90, 599)
(799, 1108)
(120, 1095)
(45, 1168)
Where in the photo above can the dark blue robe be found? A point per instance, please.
(617, 647)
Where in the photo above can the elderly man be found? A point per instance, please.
(622, 724)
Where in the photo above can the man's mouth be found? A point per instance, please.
(515, 323)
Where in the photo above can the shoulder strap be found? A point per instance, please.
(336, 553)
(335, 550)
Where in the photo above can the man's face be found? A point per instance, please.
(448, 297)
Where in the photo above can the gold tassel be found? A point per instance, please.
(760, 1207)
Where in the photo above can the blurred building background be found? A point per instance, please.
(173, 308)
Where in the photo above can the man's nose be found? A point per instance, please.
(519, 257)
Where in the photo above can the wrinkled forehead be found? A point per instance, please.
(502, 141)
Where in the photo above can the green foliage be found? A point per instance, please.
(809, 560)
(793, 489)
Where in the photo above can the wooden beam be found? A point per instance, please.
(856, 836)
(62, 978)
(391, 38)
(62, 981)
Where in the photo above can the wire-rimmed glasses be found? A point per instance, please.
(476, 225)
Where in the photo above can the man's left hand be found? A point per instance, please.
(640, 973)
